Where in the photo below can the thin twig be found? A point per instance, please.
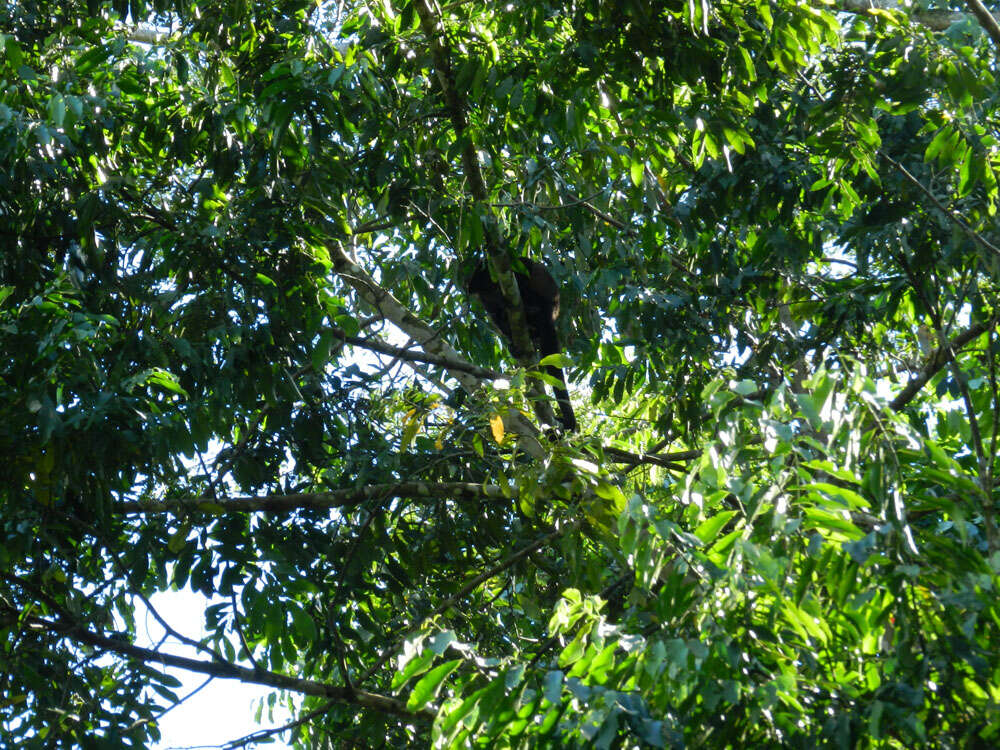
(452, 600)
(962, 224)
(239, 631)
(263, 734)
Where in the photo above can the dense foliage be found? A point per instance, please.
(238, 355)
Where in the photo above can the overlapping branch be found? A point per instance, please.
(934, 362)
(428, 339)
(496, 254)
(953, 215)
(447, 362)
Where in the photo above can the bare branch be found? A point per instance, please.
(391, 308)
(428, 339)
(618, 454)
(449, 363)
(257, 737)
(169, 630)
(144, 35)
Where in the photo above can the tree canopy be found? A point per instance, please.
(239, 356)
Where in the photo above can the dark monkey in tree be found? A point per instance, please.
(540, 297)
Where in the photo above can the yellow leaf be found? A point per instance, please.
(496, 425)
(410, 431)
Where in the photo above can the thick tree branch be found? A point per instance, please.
(225, 670)
(391, 308)
(433, 29)
(935, 20)
(987, 20)
(449, 363)
(142, 34)
(937, 360)
(345, 498)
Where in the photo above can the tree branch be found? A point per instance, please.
(143, 34)
(261, 735)
(624, 456)
(935, 20)
(449, 363)
(959, 221)
(986, 20)
(935, 361)
(225, 670)
(428, 339)
(344, 498)
(391, 308)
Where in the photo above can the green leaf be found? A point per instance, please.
(178, 540)
(553, 686)
(430, 684)
(573, 651)
(823, 520)
(556, 360)
(303, 626)
(636, 171)
(937, 144)
(842, 495)
(13, 56)
(414, 666)
(708, 530)
(57, 110)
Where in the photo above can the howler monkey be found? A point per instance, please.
(540, 297)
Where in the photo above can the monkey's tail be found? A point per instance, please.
(566, 415)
